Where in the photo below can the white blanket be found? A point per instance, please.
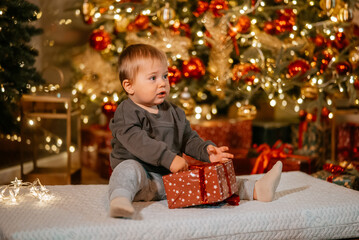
(304, 208)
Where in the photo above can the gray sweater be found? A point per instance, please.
(153, 139)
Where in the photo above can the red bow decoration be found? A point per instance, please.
(278, 151)
(334, 169)
(266, 153)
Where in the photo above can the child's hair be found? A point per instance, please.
(132, 58)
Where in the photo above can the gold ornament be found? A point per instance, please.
(166, 14)
(247, 112)
(354, 57)
(328, 6)
(187, 102)
(345, 14)
(309, 91)
(121, 24)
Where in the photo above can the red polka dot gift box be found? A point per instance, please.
(202, 184)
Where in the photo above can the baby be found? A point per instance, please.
(150, 135)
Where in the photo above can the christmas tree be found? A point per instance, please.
(302, 56)
(17, 73)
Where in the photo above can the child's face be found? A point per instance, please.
(150, 86)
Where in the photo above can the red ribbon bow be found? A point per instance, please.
(279, 150)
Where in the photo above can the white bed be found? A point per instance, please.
(305, 208)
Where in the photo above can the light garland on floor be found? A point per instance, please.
(10, 193)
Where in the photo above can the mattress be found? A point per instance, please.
(304, 208)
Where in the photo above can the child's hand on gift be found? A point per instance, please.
(178, 164)
(218, 154)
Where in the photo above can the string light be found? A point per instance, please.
(10, 193)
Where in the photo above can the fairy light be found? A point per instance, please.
(59, 142)
(330, 115)
(329, 102)
(214, 110)
(85, 119)
(333, 19)
(10, 193)
(72, 149)
(97, 15)
(300, 101)
(284, 103)
(351, 80)
(273, 103)
(200, 34)
(93, 97)
(31, 122)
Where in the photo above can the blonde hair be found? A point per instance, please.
(132, 58)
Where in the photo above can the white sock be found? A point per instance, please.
(267, 185)
(121, 207)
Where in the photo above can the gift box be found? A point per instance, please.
(344, 173)
(231, 133)
(346, 180)
(202, 184)
(347, 144)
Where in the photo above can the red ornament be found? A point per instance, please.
(141, 22)
(320, 41)
(194, 68)
(298, 66)
(340, 41)
(242, 26)
(245, 72)
(202, 6)
(311, 117)
(174, 75)
(217, 6)
(343, 68)
(179, 28)
(285, 20)
(109, 109)
(100, 39)
(269, 27)
(323, 58)
(325, 113)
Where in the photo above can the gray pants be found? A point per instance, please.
(129, 179)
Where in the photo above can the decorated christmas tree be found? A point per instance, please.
(301, 56)
(17, 73)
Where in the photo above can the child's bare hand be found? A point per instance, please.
(218, 154)
(178, 164)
